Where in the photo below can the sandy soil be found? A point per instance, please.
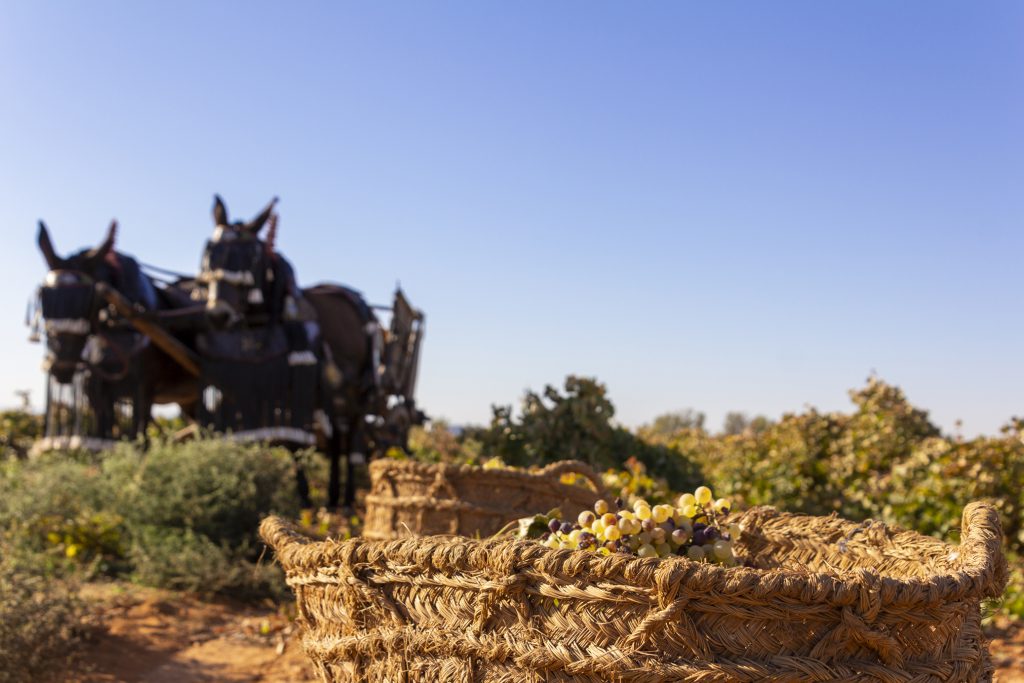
(143, 634)
(1007, 651)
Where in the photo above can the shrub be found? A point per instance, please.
(18, 430)
(438, 443)
(58, 509)
(40, 625)
(193, 509)
(211, 487)
(178, 516)
(577, 425)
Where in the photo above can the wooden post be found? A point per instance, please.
(171, 346)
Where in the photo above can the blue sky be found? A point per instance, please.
(723, 206)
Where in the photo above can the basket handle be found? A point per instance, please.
(981, 548)
(281, 535)
(556, 469)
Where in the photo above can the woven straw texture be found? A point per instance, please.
(413, 498)
(827, 600)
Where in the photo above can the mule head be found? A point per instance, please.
(68, 300)
(237, 267)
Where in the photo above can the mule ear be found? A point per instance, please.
(108, 244)
(220, 212)
(46, 246)
(256, 224)
(268, 243)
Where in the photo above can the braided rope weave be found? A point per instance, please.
(408, 497)
(824, 600)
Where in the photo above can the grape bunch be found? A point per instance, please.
(693, 528)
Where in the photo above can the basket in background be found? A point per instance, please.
(415, 498)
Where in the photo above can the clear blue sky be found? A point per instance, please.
(729, 206)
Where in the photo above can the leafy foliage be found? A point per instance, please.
(18, 430)
(40, 624)
(577, 424)
(178, 516)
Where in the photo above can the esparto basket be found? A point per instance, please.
(822, 600)
(414, 498)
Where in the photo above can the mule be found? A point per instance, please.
(82, 335)
(251, 286)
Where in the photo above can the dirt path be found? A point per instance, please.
(143, 634)
(1007, 651)
(163, 637)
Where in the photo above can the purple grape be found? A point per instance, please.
(619, 503)
(700, 536)
(565, 528)
(554, 525)
(711, 533)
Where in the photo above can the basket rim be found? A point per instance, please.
(552, 471)
(982, 574)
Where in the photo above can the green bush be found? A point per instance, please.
(178, 516)
(578, 425)
(58, 509)
(18, 430)
(40, 625)
(212, 487)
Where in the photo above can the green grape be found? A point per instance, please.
(660, 513)
(703, 495)
(692, 528)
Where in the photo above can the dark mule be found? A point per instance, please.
(251, 285)
(119, 363)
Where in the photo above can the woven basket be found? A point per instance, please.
(827, 600)
(413, 498)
